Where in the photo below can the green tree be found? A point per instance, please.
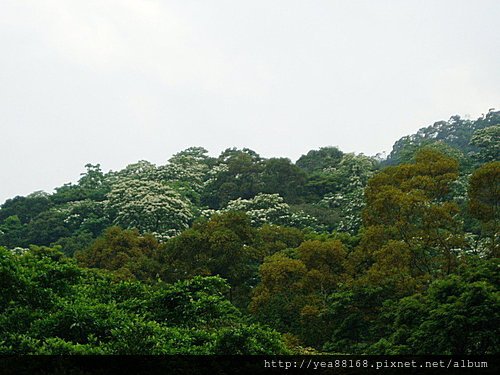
(187, 171)
(94, 183)
(273, 238)
(236, 174)
(46, 228)
(142, 170)
(318, 160)
(345, 195)
(456, 132)
(12, 232)
(484, 202)
(295, 286)
(458, 315)
(48, 305)
(25, 208)
(220, 246)
(280, 176)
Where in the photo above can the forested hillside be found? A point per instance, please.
(240, 254)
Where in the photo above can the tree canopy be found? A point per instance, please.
(242, 254)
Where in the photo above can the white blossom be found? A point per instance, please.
(149, 206)
(270, 209)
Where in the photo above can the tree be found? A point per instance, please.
(280, 176)
(346, 196)
(85, 216)
(187, 171)
(46, 228)
(235, 175)
(25, 208)
(126, 252)
(411, 236)
(12, 232)
(142, 170)
(295, 286)
(94, 183)
(220, 246)
(273, 238)
(484, 202)
(148, 206)
(488, 143)
(279, 296)
(354, 315)
(348, 207)
(270, 209)
(458, 315)
(408, 212)
(50, 306)
(318, 160)
(456, 132)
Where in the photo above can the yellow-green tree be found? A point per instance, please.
(220, 246)
(412, 232)
(126, 252)
(295, 286)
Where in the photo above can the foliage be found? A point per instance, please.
(187, 171)
(484, 202)
(318, 160)
(236, 174)
(456, 132)
(273, 238)
(50, 306)
(411, 232)
(270, 209)
(294, 288)
(148, 206)
(487, 140)
(126, 252)
(199, 255)
(25, 208)
(280, 176)
(337, 192)
(220, 246)
(458, 315)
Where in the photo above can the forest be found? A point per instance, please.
(337, 253)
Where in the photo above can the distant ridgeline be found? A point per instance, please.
(463, 135)
(240, 254)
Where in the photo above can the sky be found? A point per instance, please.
(117, 81)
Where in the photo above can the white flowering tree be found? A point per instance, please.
(352, 174)
(86, 215)
(187, 171)
(270, 209)
(349, 206)
(488, 142)
(142, 170)
(149, 206)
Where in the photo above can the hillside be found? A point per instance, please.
(239, 254)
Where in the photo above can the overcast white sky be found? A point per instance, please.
(116, 81)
